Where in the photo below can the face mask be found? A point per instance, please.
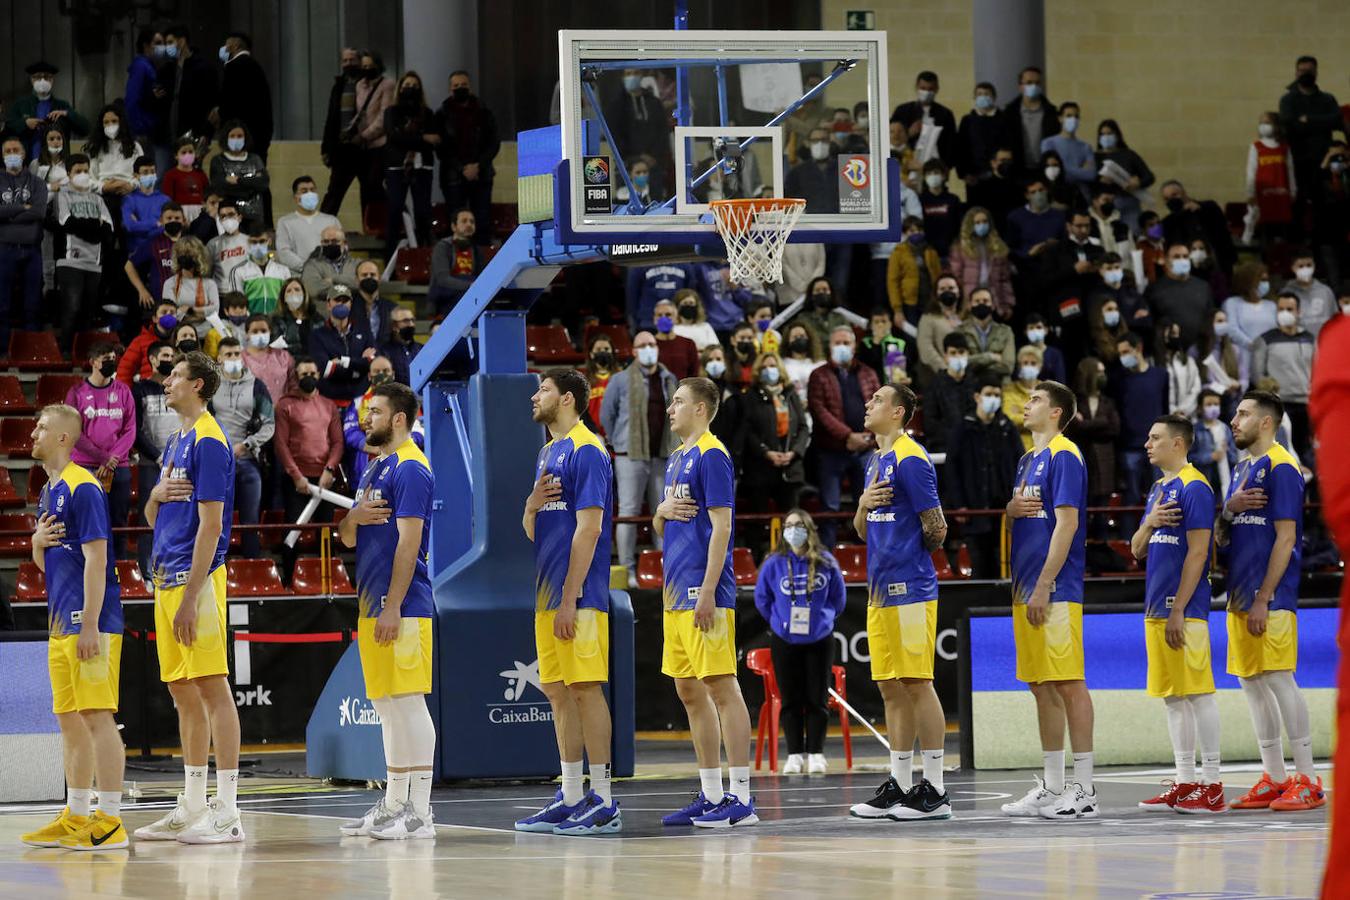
(1337, 167)
(308, 384)
(1035, 335)
(352, 71)
(1107, 208)
(1220, 329)
(462, 93)
(632, 82)
(925, 97)
(982, 311)
(1307, 79)
(409, 96)
(688, 312)
(1070, 124)
(948, 298)
(238, 319)
(934, 181)
(1111, 318)
(983, 101)
(55, 151)
(187, 159)
(1181, 267)
(1176, 205)
(665, 324)
(762, 325)
(258, 252)
(820, 150)
(1114, 277)
(1100, 381)
(110, 131)
(42, 87)
(991, 405)
(715, 368)
(647, 356)
(380, 378)
(1286, 319)
(187, 264)
(295, 300)
(795, 536)
(1304, 274)
(1198, 257)
(309, 201)
(168, 322)
(957, 364)
(1211, 413)
(1129, 360)
(370, 74)
(1154, 232)
(224, 54)
(1004, 168)
(915, 238)
(1052, 172)
(1265, 129)
(341, 311)
(171, 51)
(235, 145)
(1345, 309)
(981, 229)
(370, 285)
(641, 181)
(332, 251)
(164, 367)
(863, 121)
(187, 346)
(823, 299)
(229, 225)
(82, 180)
(842, 354)
(745, 348)
(1173, 342)
(260, 339)
(1263, 288)
(1107, 141)
(800, 346)
(1029, 373)
(108, 368)
(407, 333)
(233, 367)
(1039, 201)
(1031, 91)
(603, 359)
(172, 229)
(769, 374)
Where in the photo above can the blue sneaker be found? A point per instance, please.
(555, 813)
(730, 813)
(594, 817)
(686, 816)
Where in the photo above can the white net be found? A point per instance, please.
(755, 232)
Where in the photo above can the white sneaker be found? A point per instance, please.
(220, 826)
(632, 579)
(406, 826)
(378, 815)
(1030, 806)
(172, 825)
(816, 764)
(1074, 803)
(793, 766)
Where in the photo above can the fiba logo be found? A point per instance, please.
(855, 172)
(596, 170)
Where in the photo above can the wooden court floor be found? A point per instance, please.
(805, 847)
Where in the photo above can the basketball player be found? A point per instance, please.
(567, 516)
(84, 649)
(1175, 538)
(388, 528)
(900, 517)
(1049, 513)
(190, 509)
(699, 622)
(1262, 528)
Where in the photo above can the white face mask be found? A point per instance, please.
(1345, 309)
(110, 131)
(233, 367)
(229, 225)
(957, 364)
(1035, 335)
(1198, 257)
(991, 405)
(261, 339)
(715, 368)
(42, 87)
(1052, 172)
(926, 97)
(934, 181)
(1111, 318)
(1029, 373)
(1181, 267)
(1263, 288)
(820, 150)
(1265, 129)
(1286, 319)
(842, 354)
(862, 121)
(1070, 124)
(295, 300)
(770, 374)
(795, 535)
(1220, 329)
(1113, 277)
(647, 356)
(1304, 274)
(81, 181)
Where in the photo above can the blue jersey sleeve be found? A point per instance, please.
(89, 515)
(1197, 507)
(919, 481)
(1285, 493)
(412, 491)
(211, 469)
(1068, 486)
(718, 479)
(590, 474)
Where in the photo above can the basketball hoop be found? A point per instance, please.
(755, 232)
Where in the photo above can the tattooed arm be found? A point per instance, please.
(934, 528)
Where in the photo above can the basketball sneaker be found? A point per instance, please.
(220, 825)
(103, 832)
(379, 814)
(922, 802)
(697, 807)
(816, 764)
(172, 825)
(1075, 803)
(592, 817)
(1262, 794)
(1173, 792)
(1204, 799)
(1301, 794)
(794, 764)
(889, 796)
(730, 813)
(550, 816)
(1030, 806)
(408, 825)
(50, 835)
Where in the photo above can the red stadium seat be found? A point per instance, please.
(16, 437)
(134, 587)
(505, 218)
(12, 400)
(943, 566)
(650, 575)
(37, 477)
(9, 497)
(253, 578)
(550, 344)
(440, 221)
(760, 661)
(1122, 549)
(236, 539)
(852, 559)
(841, 688)
(308, 577)
(964, 567)
(743, 566)
(618, 336)
(79, 351)
(413, 265)
(31, 586)
(52, 388)
(36, 351)
(17, 546)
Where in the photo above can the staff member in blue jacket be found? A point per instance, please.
(800, 592)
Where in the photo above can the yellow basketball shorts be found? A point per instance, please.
(206, 654)
(902, 639)
(692, 653)
(583, 659)
(1052, 651)
(84, 684)
(400, 667)
(1178, 673)
(1274, 651)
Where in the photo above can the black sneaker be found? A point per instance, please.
(923, 802)
(888, 797)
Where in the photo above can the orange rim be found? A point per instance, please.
(750, 206)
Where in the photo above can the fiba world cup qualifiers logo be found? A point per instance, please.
(855, 173)
(596, 170)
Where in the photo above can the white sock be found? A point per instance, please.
(227, 788)
(1209, 768)
(80, 800)
(1181, 729)
(1185, 767)
(902, 768)
(1303, 757)
(1054, 770)
(396, 789)
(1294, 711)
(710, 780)
(572, 780)
(1082, 770)
(194, 790)
(1265, 714)
(419, 792)
(600, 783)
(932, 768)
(738, 782)
(1272, 760)
(1206, 708)
(110, 803)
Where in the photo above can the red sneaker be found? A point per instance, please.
(1301, 794)
(1206, 799)
(1172, 792)
(1262, 794)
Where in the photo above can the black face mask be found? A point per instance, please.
(187, 346)
(1107, 208)
(1174, 342)
(173, 229)
(107, 368)
(460, 94)
(745, 348)
(689, 312)
(332, 251)
(308, 383)
(1176, 204)
(1004, 169)
(410, 97)
(164, 367)
(370, 285)
(1101, 382)
(353, 71)
(406, 333)
(603, 359)
(800, 345)
(823, 299)
(370, 74)
(948, 298)
(982, 311)
(1307, 79)
(186, 264)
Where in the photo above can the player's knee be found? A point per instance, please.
(97, 719)
(724, 689)
(555, 691)
(586, 693)
(691, 691)
(72, 724)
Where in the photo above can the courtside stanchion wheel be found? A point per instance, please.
(755, 232)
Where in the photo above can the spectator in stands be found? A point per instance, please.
(1203, 268)
(1094, 428)
(940, 318)
(881, 349)
(330, 265)
(1131, 312)
(912, 273)
(942, 210)
(1151, 246)
(802, 264)
(1031, 120)
(243, 407)
(295, 316)
(1108, 223)
(772, 443)
(1331, 212)
(367, 304)
(1224, 367)
(192, 88)
(355, 149)
(207, 224)
(270, 365)
(1181, 297)
(401, 346)
(342, 348)
(23, 206)
(633, 415)
(981, 132)
(725, 425)
(646, 286)
(802, 356)
(113, 153)
(991, 343)
(1111, 148)
(191, 289)
(107, 432)
(136, 362)
(1250, 311)
(724, 301)
(837, 395)
(32, 115)
(155, 422)
(1189, 219)
(948, 397)
(744, 347)
(1309, 116)
(678, 354)
(245, 95)
(233, 318)
(1080, 168)
(815, 179)
(1285, 353)
(599, 369)
(83, 231)
(239, 173)
(1066, 274)
(998, 190)
(409, 157)
(1052, 364)
(640, 171)
(53, 163)
(1106, 326)
(308, 447)
(925, 110)
(1213, 451)
(186, 184)
(339, 149)
(185, 338)
(455, 262)
(260, 276)
(1064, 194)
(979, 258)
(1183, 375)
(229, 249)
(1017, 390)
(141, 207)
(1272, 185)
(1317, 302)
(472, 143)
(692, 321)
(982, 455)
(299, 232)
(1033, 228)
(1142, 398)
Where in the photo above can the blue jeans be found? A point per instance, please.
(832, 466)
(20, 279)
(398, 182)
(247, 498)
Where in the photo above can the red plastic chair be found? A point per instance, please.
(550, 344)
(253, 578)
(134, 586)
(12, 400)
(841, 688)
(852, 559)
(36, 351)
(16, 437)
(760, 661)
(308, 577)
(964, 567)
(743, 567)
(618, 336)
(79, 351)
(31, 586)
(943, 566)
(52, 388)
(1122, 549)
(37, 477)
(413, 265)
(9, 497)
(17, 546)
(650, 575)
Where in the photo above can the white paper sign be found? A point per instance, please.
(770, 87)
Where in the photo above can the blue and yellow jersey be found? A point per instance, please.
(704, 474)
(580, 463)
(1057, 477)
(1252, 534)
(1167, 547)
(404, 480)
(203, 456)
(76, 499)
(899, 569)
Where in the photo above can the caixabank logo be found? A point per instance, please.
(519, 705)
